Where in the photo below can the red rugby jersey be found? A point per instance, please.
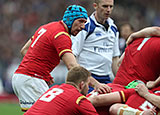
(49, 43)
(62, 99)
(141, 61)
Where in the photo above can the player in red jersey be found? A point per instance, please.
(141, 57)
(50, 43)
(68, 98)
(143, 102)
(140, 61)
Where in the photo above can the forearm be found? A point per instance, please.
(147, 32)
(115, 65)
(105, 99)
(157, 82)
(93, 82)
(69, 60)
(144, 33)
(25, 47)
(154, 99)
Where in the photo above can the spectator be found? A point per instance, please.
(125, 30)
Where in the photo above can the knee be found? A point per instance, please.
(113, 110)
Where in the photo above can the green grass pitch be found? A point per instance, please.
(10, 109)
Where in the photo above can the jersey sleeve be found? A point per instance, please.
(86, 108)
(62, 43)
(32, 38)
(126, 93)
(78, 42)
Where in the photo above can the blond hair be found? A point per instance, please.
(78, 74)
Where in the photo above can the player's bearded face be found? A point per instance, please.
(85, 88)
(84, 91)
(77, 26)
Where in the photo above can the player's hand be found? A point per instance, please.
(130, 39)
(151, 84)
(50, 82)
(102, 88)
(142, 90)
(149, 112)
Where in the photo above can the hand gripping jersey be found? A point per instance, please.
(62, 100)
(49, 43)
(129, 97)
(95, 46)
(104, 110)
(141, 61)
(134, 100)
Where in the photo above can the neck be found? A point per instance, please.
(99, 20)
(73, 84)
(65, 26)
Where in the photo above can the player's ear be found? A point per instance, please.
(95, 6)
(81, 85)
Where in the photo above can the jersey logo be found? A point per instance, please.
(80, 98)
(98, 34)
(60, 33)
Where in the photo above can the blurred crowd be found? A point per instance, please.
(20, 18)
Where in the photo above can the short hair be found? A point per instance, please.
(78, 74)
(129, 24)
(97, 1)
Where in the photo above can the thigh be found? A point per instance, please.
(28, 89)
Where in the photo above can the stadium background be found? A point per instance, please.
(20, 18)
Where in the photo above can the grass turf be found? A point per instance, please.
(10, 109)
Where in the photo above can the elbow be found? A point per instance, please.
(22, 52)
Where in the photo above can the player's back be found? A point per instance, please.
(59, 100)
(141, 61)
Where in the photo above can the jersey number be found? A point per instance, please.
(146, 105)
(41, 32)
(142, 44)
(51, 94)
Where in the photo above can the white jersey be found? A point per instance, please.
(95, 46)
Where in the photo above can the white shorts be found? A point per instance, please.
(28, 89)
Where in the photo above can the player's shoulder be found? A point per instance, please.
(80, 99)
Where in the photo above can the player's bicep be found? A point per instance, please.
(62, 44)
(105, 99)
